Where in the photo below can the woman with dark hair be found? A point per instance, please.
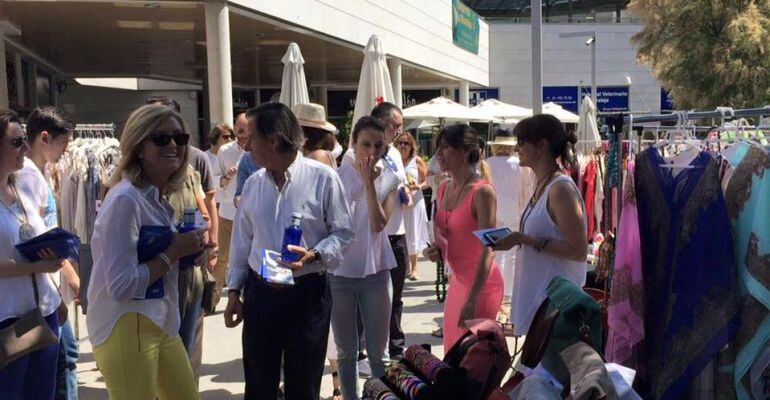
(465, 203)
(552, 230)
(25, 285)
(319, 133)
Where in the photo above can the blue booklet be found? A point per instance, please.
(152, 241)
(62, 242)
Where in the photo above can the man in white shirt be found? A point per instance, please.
(289, 321)
(227, 163)
(49, 131)
(392, 118)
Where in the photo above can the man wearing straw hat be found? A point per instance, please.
(512, 184)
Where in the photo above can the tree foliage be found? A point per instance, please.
(708, 53)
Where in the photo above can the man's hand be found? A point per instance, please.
(234, 310)
(305, 257)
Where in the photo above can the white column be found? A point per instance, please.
(20, 80)
(218, 63)
(3, 75)
(465, 93)
(394, 67)
(537, 56)
(322, 96)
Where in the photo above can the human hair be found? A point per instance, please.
(412, 142)
(549, 128)
(8, 117)
(461, 136)
(140, 124)
(367, 122)
(276, 119)
(164, 100)
(50, 119)
(218, 131)
(317, 139)
(385, 109)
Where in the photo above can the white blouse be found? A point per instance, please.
(118, 281)
(370, 251)
(18, 294)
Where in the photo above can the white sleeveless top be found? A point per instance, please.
(534, 271)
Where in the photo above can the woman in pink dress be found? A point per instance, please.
(465, 203)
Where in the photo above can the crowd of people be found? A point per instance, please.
(364, 222)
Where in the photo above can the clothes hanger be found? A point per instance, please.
(685, 156)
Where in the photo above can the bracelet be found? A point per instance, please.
(163, 257)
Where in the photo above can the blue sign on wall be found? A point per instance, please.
(565, 96)
(611, 98)
(476, 96)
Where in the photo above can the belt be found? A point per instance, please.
(298, 281)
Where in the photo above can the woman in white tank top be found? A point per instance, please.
(552, 233)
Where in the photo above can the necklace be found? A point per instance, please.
(26, 231)
(539, 189)
(457, 197)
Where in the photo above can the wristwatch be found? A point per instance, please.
(316, 256)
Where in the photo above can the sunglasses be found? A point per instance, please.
(404, 143)
(161, 140)
(19, 141)
(228, 137)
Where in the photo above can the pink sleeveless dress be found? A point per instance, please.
(461, 250)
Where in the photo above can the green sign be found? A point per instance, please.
(465, 27)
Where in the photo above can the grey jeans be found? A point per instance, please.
(373, 294)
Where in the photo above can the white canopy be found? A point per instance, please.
(374, 85)
(293, 84)
(446, 109)
(587, 131)
(494, 108)
(560, 113)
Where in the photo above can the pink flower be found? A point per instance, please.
(379, 100)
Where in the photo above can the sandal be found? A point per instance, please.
(439, 333)
(336, 394)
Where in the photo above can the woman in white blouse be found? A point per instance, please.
(32, 376)
(133, 316)
(363, 278)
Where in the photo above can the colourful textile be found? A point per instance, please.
(462, 251)
(426, 363)
(588, 188)
(689, 269)
(625, 314)
(747, 196)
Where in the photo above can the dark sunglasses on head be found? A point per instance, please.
(161, 140)
(19, 141)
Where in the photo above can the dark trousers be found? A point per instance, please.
(66, 365)
(397, 277)
(291, 322)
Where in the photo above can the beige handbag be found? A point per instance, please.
(30, 333)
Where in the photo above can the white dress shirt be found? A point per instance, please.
(216, 173)
(228, 157)
(396, 222)
(18, 294)
(312, 189)
(118, 281)
(370, 252)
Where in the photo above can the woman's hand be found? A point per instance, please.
(467, 312)
(49, 262)
(432, 253)
(367, 166)
(185, 244)
(508, 242)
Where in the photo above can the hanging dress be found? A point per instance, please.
(690, 276)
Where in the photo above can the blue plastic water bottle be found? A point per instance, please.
(188, 224)
(292, 236)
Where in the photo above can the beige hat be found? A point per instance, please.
(313, 116)
(503, 141)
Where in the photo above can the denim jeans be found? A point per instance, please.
(66, 365)
(373, 295)
(32, 377)
(190, 299)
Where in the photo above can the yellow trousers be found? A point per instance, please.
(139, 361)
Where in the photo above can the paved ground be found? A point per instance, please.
(222, 372)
